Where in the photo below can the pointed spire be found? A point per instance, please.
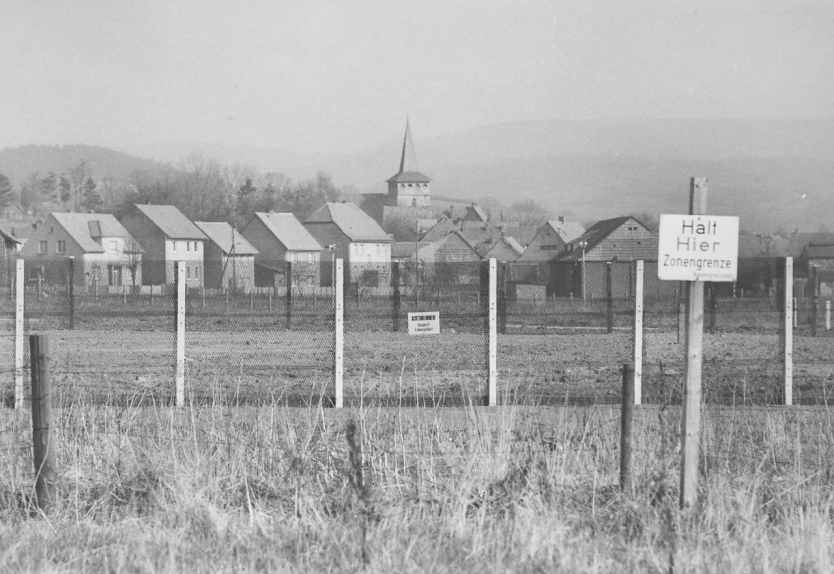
(408, 160)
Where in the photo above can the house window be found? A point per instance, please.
(197, 272)
(114, 275)
(62, 246)
(188, 246)
(113, 246)
(174, 246)
(188, 273)
(42, 246)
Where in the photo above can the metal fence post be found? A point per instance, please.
(20, 291)
(638, 332)
(338, 370)
(43, 446)
(180, 374)
(493, 333)
(787, 330)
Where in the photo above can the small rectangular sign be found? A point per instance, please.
(697, 248)
(426, 323)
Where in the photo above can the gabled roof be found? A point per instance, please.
(7, 232)
(523, 234)
(409, 172)
(82, 226)
(288, 230)
(818, 251)
(598, 232)
(352, 221)
(442, 228)
(171, 221)
(446, 238)
(566, 230)
(221, 234)
(509, 242)
(477, 212)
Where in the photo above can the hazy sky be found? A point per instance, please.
(342, 76)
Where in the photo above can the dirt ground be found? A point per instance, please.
(450, 368)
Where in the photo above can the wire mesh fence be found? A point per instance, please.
(264, 331)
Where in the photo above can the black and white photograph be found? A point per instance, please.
(391, 287)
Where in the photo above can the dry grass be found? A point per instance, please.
(266, 488)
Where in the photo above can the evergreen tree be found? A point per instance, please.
(245, 204)
(90, 199)
(64, 189)
(6, 193)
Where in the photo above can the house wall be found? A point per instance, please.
(628, 242)
(546, 245)
(191, 252)
(152, 240)
(270, 250)
(52, 232)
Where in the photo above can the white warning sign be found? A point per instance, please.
(697, 248)
(426, 323)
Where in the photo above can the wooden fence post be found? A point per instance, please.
(338, 370)
(180, 374)
(609, 298)
(787, 330)
(681, 312)
(713, 307)
(638, 332)
(691, 419)
(20, 291)
(42, 443)
(288, 276)
(828, 315)
(625, 427)
(395, 303)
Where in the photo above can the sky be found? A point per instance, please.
(341, 77)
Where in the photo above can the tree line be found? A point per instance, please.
(201, 187)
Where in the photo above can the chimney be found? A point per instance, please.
(561, 219)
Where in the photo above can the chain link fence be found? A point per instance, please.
(265, 331)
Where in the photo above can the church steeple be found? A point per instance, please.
(409, 187)
(408, 160)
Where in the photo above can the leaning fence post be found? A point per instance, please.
(625, 427)
(638, 332)
(180, 374)
(395, 303)
(338, 370)
(71, 292)
(493, 333)
(20, 291)
(787, 329)
(609, 298)
(288, 276)
(43, 447)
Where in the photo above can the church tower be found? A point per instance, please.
(409, 187)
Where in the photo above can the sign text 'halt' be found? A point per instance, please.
(697, 248)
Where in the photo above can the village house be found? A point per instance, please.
(551, 239)
(229, 258)
(280, 238)
(167, 236)
(106, 256)
(580, 269)
(351, 234)
(505, 249)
